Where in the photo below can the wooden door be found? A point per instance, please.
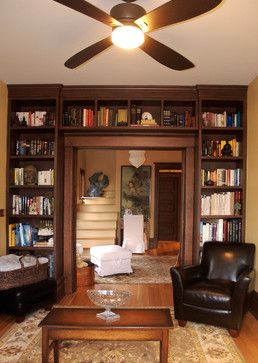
(168, 202)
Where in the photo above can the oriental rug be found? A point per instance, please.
(196, 343)
(146, 270)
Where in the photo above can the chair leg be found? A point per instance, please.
(19, 319)
(234, 333)
(182, 322)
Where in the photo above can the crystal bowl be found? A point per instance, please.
(108, 299)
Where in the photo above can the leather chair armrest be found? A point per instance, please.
(180, 277)
(240, 296)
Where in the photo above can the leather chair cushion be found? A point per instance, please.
(211, 294)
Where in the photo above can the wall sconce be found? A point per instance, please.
(136, 157)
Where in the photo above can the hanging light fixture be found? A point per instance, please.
(136, 157)
(127, 36)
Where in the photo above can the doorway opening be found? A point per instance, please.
(168, 206)
(185, 145)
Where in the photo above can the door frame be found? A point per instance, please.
(187, 144)
(159, 166)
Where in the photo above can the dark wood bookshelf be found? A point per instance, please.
(68, 139)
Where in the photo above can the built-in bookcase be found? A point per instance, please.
(208, 121)
(32, 222)
(222, 152)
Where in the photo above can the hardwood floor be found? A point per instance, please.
(151, 295)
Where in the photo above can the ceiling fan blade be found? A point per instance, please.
(173, 12)
(90, 10)
(88, 53)
(165, 55)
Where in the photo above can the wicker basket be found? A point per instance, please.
(24, 275)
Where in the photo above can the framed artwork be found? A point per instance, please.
(135, 190)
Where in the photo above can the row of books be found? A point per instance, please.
(34, 118)
(215, 147)
(211, 119)
(227, 203)
(174, 119)
(34, 147)
(39, 205)
(221, 230)
(22, 235)
(221, 177)
(112, 116)
(79, 116)
(44, 177)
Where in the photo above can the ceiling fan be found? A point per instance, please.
(132, 20)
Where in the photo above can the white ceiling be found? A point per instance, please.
(38, 36)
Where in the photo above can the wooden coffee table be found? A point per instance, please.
(82, 324)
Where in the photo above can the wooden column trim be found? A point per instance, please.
(188, 207)
(70, 219)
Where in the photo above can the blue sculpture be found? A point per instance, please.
(98, 181)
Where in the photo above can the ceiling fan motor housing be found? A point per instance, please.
(127, 12)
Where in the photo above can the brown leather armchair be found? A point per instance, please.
(217, 290)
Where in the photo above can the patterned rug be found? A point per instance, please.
(146, 270)
(196, 343)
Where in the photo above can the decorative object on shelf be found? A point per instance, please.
(137, 157)
(135, 190)
(226, 150)
(30, 175)
(209, 183)
(109, 299)
(130, 23)
(98, 181)
(147, 119)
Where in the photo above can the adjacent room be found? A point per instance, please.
(128, 189)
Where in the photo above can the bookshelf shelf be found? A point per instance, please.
(38, 249)
(235, 216)
(224, 187)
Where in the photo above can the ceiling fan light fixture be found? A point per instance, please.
(127, 36)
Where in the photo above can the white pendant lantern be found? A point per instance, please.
(136, 157)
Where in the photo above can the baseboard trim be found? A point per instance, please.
(254, 305)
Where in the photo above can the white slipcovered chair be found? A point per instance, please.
(134, 233)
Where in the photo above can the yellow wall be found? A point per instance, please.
(252, 169)
(3, 132)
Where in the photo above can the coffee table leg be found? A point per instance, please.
(56, 351)
(164, 347)
(45, 345)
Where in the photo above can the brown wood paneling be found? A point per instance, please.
(135, 141)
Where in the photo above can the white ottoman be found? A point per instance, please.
(111, 260)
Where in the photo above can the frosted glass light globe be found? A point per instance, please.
(127, 36)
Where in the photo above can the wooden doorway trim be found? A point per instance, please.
(157, 142)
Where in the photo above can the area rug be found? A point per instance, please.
(196, 343)
(146, 270)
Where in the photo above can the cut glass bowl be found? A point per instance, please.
(108, 299)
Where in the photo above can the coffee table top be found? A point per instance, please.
(83, 318)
